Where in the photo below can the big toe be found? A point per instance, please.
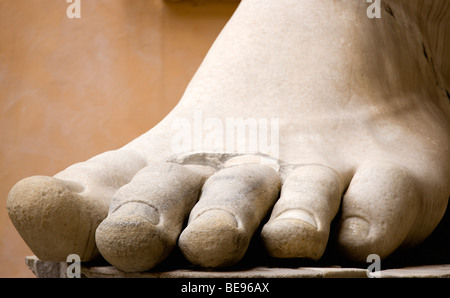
(43, 209)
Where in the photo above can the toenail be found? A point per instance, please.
(297, 215)
(355, 227)
(214, 239)
(219, 216)
(137, 209)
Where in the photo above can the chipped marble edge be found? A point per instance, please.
(47, 269)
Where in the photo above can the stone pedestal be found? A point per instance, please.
(45, 269)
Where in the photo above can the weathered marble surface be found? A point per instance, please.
(45, 269)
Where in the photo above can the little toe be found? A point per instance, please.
(378, 211)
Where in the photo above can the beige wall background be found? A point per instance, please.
(73, 88)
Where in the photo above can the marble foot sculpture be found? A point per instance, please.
(301, 110)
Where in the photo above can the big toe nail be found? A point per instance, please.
(43, 209)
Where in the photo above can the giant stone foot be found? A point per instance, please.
(358, 121)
